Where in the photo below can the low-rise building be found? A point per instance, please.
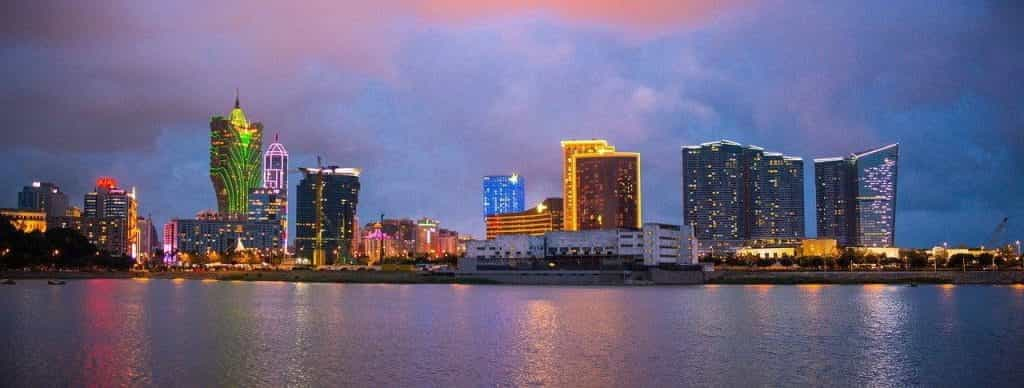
(222, 235)
(26, 220)
(543, 218)
(595, 249)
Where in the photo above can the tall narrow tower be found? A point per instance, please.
(275, 177)
(235, 147)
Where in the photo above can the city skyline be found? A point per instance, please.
(646, 84)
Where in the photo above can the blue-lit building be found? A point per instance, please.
(856, 197)
(504, 194)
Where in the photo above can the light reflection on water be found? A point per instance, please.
(192, 333)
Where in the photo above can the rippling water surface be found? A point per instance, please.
(193, 333)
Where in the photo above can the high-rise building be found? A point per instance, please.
(426, 237)
(504, 194)
(271, 205)
(778, 196)
(110, 218)
(856, 197)
(571, 148)
(607, 190)
(543, 218)
(734, 193)
(275, 177)
(43, 196)
(235, 147)
(325, 214)
(170, 237)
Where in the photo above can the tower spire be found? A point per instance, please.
(237, 105)
(275, 137)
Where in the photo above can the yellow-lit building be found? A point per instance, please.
(26, 220)
(543, 218)
(823, 247)
(779, 248)
(571, 148)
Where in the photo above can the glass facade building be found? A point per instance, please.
(235, 152)
(571, 148)
(325, 211)
(733, 193)
(607, 190)
(856, 197)
(504, 194)
(43, 196)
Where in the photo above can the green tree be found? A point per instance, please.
(917, 259)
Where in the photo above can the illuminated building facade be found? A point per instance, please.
(426, 237)
(571, 148)
(170, 238)
(543, 218)
(607, 190)
(403, 231)
(43, 196)
(235, 148)
(326, 201)
(26, 220)
(504, 194)
(110, 218)
(266, 204)
(375, 237)
(733, 193)
(221, 235)
(275, 177)
(856, 197)
(777, 196)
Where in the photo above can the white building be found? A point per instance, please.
(518, 246)
(666, 244)
(653, 245)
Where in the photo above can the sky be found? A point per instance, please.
(428, 97)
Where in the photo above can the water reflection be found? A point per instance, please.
(191, 333)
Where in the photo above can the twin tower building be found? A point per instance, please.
(733, 194)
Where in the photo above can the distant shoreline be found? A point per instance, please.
(555, 278)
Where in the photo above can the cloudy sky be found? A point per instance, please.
(427, 97)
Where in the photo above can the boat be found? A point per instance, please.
(7, 282)
(56, 282)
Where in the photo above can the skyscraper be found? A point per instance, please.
(856, 197)
(607, 190)
(235, 146)
(569, 149)
(504, 194)
(275, 180)
(43, 196)
(110, 219)
(325, 213)
(733, 193)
